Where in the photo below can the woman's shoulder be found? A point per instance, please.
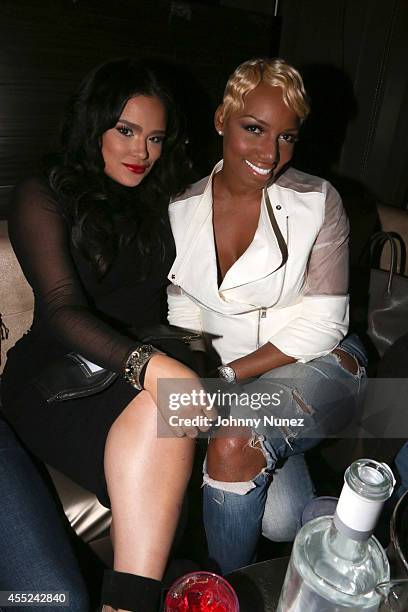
(34, 189)
(316, 193)
(184, 207)
(195, 190)
(32, 198)
(302, 182)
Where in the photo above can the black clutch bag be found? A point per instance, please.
(72, 376)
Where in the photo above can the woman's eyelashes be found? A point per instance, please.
(157, 139)
(289, 138)
(124, 130)
(258, 130)
(253, 128)
(127, 132)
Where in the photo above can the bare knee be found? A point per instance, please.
(234, 459)
(134, 430)
(134, 435)
(347, 361)
(139, 414)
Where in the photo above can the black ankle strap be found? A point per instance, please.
(130, 592)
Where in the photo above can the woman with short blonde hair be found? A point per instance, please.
(262, 266)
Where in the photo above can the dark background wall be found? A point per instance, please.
(47, 46)
(355, 59)
(354, 55)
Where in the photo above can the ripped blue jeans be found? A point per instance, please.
(317, 399)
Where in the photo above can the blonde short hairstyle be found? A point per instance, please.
(272, 71)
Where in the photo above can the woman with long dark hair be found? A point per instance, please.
(93, 238)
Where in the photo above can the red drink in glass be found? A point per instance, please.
(201, 592)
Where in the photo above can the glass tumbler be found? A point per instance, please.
(394, 595)
(201, 592)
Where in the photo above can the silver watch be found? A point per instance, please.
(227, 373)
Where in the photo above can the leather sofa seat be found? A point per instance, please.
(89, 519)
(393, 219)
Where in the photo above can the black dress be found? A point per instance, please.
(74, 311)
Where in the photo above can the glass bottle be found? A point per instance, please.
(336, 562)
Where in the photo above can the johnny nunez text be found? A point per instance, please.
(231, 421)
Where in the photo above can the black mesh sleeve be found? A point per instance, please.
(40, 238)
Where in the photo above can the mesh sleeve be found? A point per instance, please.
(327, 272)
(323, 320)
(41, 241)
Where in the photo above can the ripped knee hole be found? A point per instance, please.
(347, 361)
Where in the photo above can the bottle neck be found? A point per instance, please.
(341, 545)
(356, 516)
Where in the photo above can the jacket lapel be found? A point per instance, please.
(267, 251)
(195, 267)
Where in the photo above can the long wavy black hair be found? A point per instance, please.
(104, 215)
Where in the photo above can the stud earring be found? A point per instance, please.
(220, 132)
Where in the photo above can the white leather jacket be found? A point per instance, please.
(298, 302)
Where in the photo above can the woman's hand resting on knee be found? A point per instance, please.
(179, 396)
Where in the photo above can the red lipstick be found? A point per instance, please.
(135, 168)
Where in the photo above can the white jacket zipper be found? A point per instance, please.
(263, 310)
(261, 315)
